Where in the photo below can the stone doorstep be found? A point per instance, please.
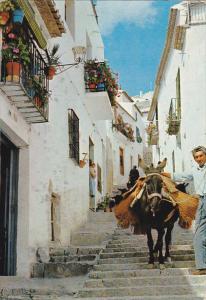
(162, 290)
(135, 266)
(145, 281)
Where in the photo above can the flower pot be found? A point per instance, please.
(18, 16)
(50, 72)
(13, 71)
(101, 86)
(92, 87)
(82, 163)
(38, 102)
(4, 17)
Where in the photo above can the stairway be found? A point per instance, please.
(122, 271)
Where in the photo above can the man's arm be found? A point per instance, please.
(182, 177)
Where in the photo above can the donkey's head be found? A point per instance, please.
(153, 188)
(148, 169)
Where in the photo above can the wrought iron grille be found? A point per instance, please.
(28, 75)
(73, 122)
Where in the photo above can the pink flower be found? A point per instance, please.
(5, 46)
(16, 50)
(11, 35)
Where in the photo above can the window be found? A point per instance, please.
(138, 137)
(99, 179)
(73, 123)
(121, 161)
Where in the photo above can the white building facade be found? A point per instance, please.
(127, 138)
(43, 146)
(178, 105)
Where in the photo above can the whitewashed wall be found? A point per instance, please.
(118, 140)
(45, 166)
(191, 61)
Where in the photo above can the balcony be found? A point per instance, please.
(152, 134)
(101, 88)
(23, 78)
(124, 128)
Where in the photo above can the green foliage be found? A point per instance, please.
(6, 5)
(16, 50)
(39, 89)
(52, 56)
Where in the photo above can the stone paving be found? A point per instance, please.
(118, 270)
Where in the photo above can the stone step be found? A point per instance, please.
(145, 281)
(90, 238)
(37, 297)
(139, 273)
(144, 241)
(131, 260)
(60, 270)
(170, 297)
(74, 251)
(142, 244)
(163, 290)
(135, 266)
(145, 248)
(140, 253)
(72, 258)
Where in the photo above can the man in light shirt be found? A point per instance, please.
(198, 175)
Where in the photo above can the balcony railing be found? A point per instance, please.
(26, 84)
(126, 130)
(99, 78)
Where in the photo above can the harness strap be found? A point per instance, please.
(154, 195)
(171, 214)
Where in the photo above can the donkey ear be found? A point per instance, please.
(162, 164)
(142, 164)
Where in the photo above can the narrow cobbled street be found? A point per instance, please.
(118, 269)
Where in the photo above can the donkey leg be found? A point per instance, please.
(168, 238)
(150, 246)
(161, 233)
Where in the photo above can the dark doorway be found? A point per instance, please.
(8, 205)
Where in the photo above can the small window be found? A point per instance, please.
(138, 136)
(73, 123)
(99, 179)
(121, 161)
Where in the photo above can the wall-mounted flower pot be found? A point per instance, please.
(82, 163)
(101, 86)
(4, 17)
(50, 72)
(38, 101)
(92, 87)
(13, 71)
(18, 16)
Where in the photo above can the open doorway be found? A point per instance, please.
(92, 202)
(8, 205)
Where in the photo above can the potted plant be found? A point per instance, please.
(41, 94)
(53, 61)
(15, 53)
(5, 7)
(173, 124)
